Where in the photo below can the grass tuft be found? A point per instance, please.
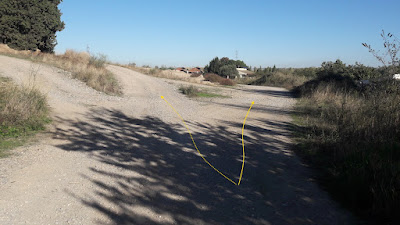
(192, 91)
(23, 111)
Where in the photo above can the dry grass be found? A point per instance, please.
(192, 91)
(279, 79)
(353, 136)
(218, 79)
(22, 110)
(87, 68)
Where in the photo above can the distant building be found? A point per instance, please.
(195, 70)
(243, 72)
(183, 69)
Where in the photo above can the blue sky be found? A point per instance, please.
(264, 33)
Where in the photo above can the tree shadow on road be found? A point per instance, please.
(157, 177)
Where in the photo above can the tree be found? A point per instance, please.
(228, 70)
(240, 64)
(389, 58)
(226, 61)
(214, 66)
(30, 24)
(224, 66)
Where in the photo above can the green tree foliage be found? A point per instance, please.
(224, 66)
(241, 64)
(214, 66)
(339, 69)
(228, 70)
(30, 24)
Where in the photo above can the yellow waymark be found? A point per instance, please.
(241, 172)
(201, 155)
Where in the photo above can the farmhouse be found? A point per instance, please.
(183, 69)
(243, 72)
(195, 70)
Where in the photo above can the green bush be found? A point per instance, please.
(224, 66)
(228, 71)
(190, 91)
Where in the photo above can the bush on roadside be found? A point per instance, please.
(212, 77)
(22, 110)
(98, 61)
(352, 135)
(280, 79)
(190, 91)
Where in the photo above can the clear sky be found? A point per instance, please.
(296, 33)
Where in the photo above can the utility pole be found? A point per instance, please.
(237, 54)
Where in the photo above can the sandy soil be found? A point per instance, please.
(129, 159)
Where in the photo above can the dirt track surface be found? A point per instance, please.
(130, 160)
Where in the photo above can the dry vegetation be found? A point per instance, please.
(22, 110)
(192, 91)
(87, 68)
(218, 79)
(351, 135)
(287, 78)
(208, 79)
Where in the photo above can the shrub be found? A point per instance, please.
(190, 91)
(280, 79)
(227, 82)
(154, 72)
(212, 77)
(98, 61)
(22, 109)
(217, 79)
(353, 136)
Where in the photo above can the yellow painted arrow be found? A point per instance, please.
(201, 155)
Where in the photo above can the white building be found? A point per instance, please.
(242, 72)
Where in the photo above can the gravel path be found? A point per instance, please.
(129, 159)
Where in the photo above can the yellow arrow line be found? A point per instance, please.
(244, 122)
(201, 155)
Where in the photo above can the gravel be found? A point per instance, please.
(111, 160)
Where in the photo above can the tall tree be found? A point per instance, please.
(214, 65)
(30, 24)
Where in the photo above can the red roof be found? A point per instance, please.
(194, 70)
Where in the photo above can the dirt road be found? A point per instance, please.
(129, 159)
